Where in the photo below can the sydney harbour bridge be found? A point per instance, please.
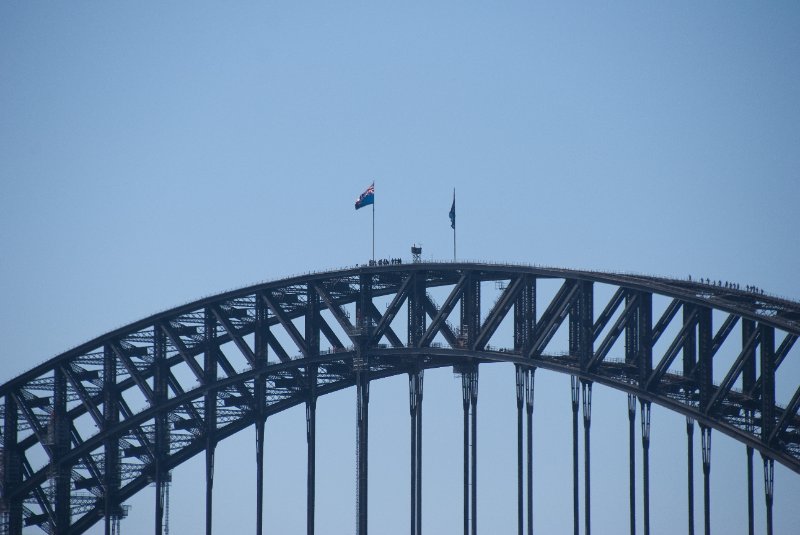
(85, 431)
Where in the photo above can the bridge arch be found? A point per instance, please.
(89, 428)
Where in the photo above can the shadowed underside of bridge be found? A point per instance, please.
(88, 429)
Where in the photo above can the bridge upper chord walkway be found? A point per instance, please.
(86, 430)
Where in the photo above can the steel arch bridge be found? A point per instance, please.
(88, 429)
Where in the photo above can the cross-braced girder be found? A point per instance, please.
(123, 410)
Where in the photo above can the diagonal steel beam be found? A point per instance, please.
(283, 318)
(553, 316)
(229, 370)
(789, 412)
(432, 312)
(566, 286)
(337, 311)
(87, 458)
(723, 332)
(438, 321)
(780, 354)
(177, 389)
(133, 371)
(91, 408)
(616, 330)
(391, 311)
(329, 334)
(498, 313)
(43, 501)
(283, 356)
(183, 351)
(672, 351)
(276, 346)
(388, 331)
(733, 374)
(33, 421)
(608, 311)
(235, 337)
(783, 349)
(141, 436)
(665, 319)
(35, 480)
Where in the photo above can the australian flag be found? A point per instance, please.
(366, 198)
(453, 213)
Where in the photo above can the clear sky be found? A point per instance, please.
(151, 154)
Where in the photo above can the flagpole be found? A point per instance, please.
(368, 197)
(454, 227)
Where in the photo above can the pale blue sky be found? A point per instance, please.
(151, 154)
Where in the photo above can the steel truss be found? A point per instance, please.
(122, 411)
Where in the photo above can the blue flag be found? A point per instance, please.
(453, 213)
(366, 198)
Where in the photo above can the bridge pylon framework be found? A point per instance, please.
(117, 413)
